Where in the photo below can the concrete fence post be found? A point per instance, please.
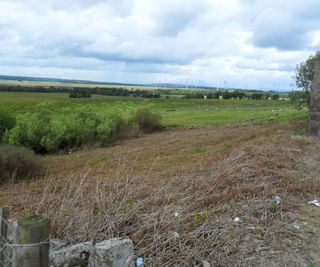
(4, 216)
(31, 242)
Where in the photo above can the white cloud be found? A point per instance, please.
(247, 43)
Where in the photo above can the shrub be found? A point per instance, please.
(6, 122)
(18, 163)
(123, 128)
(47, 130)
(147, 120)
(80, 93)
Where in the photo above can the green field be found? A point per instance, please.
(175, 112)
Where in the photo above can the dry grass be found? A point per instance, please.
(176, 194)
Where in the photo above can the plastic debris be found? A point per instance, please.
(237, 219)
(176, 214)
(296, 225)
(205, 264)
(175, 234)
(315, 202)
(277, 200)
(138, 262)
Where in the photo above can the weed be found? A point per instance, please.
(300, 131)
(227, 249)
(274, 207)
(197, 150)
(226, 145)
(296, 178)
(200, 218)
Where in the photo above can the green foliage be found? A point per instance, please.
(299, 98)
(175, 112)
(257, 96)
(6, 123)
(80, 93)
(197, 150)
(296, 178)
(305, 71)
(18, 163)
(200, 218)
(274, 207)
(46, 130)
(147, 120)
(304, 77)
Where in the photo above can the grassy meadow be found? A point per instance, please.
(175, 112)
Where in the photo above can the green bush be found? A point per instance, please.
(18, 163)
(147, 120)
(6, 123)
(47, 130)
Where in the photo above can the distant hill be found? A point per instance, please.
(157, 85)
(54, 80)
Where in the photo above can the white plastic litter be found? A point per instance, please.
(139, 262)
(296, 225)
(315, 202)
(277, 200)
(237, 219)
(175, 234)
(205, 264)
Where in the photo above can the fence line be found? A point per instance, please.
(29, 241)
(5, 250)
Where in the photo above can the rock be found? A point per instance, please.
(77, 255)
(109, 253)
(113, 253)
(56, 244)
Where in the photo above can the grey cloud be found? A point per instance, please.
(135, 39)
(285, 25)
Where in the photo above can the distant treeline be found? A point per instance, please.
(231, 95)
(84, 92)
(81, 92)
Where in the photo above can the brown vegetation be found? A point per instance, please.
(176, 195)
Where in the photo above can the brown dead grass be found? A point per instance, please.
(192, 183)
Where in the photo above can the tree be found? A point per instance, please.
(304, 78)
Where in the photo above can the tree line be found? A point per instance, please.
(231, 95)
(79, 92)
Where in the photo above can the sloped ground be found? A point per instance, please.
(176, 194)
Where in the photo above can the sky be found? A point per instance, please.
(224, 43)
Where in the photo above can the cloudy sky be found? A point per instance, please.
(243, 43)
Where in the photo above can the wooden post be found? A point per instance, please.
(4, 216)
(31, 242)
(314, 118)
